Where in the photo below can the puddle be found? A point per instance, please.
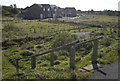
(81, 34)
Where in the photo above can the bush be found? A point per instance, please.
(10, 27)
(9, 11)
(106, 41)
(62, 39)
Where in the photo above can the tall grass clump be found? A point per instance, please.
(62, 39)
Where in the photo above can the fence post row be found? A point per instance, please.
(72, 57)
(95, 53)
(33, 62)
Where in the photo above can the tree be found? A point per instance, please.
(92, 10)
(11, 6)
(9, 10)
(15, 6)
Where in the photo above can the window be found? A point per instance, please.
(48, 9)
(69, 12)
(54, 9)
(43, 9)
(41, 16)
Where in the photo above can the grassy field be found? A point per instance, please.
(6, 18)
(22, 39)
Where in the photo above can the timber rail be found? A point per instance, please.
(71, 48)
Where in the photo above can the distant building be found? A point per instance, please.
(54, 11)
(70, 12)
(41, 11)
(60, 12)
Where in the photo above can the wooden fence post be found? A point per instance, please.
(52, 58)
(43, 34)
(33, 62)
(72, 57)
(95, 53)
(17, 66)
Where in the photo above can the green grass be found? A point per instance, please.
(7, 18)
(24, 38)
(7, 68)
(94, 18)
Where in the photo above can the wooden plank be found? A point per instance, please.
(33, 62)
(88, 41)
(52, 58)
(62, 47)
(95, 53)
(72, 57)
(52, 50)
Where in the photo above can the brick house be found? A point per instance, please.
(40, 11)
(46, 11)
(61, 12)
(54, 11)
(70, 12)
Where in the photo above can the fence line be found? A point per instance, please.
(71, 48)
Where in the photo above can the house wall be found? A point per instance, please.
(33, 12)
(60, 12)
(36, 11)
(53, 12)
(70, 12)
(46, 13)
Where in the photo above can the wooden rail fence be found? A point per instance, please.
(71, 48)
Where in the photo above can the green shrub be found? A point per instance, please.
(10, 27)
(62, 39)
(106, 41)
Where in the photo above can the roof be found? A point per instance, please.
(53, 6)
(43, 5)
(70, 8)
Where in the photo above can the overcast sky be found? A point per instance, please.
(78, 4)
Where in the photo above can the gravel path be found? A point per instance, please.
(109, 71)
